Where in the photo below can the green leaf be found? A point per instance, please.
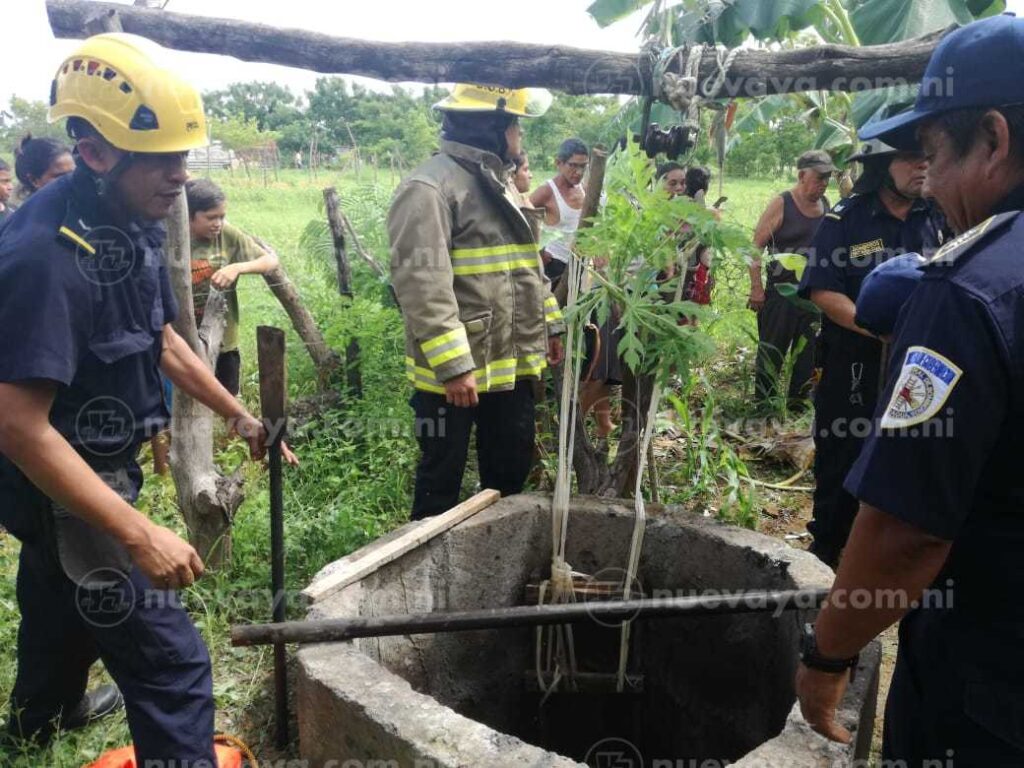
(869, 105)
(889, 21)
(766, 109)
(730, 24)
(789, 292)
(607, 12)
(832, 134)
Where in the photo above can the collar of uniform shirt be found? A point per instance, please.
(86, 211)
(878, 207)
(1012, 202)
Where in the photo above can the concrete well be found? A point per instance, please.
(712, 691)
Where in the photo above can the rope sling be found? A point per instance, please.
(555, 655)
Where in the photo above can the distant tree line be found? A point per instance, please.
(398, 125)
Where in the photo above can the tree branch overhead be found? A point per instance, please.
(572, 70)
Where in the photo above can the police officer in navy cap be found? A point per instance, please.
(939, 538)
(85, 308)
(886, 216)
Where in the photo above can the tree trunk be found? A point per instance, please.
(325, 359)
(573, 70)
(208, 500)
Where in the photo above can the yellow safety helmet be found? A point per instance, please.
(113, 82)
(522, 102)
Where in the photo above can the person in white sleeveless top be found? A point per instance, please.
(562, 200)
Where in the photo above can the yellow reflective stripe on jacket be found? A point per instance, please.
(531, 365)
(422, 378)
(445, 347)
(552, 312)
(499, 258)
(495, 374)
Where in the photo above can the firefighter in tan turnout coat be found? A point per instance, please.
(480, 320)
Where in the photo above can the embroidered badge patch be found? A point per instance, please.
(860, 251)
(923, 386)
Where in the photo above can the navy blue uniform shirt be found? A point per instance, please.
(946, 453)
(858, 235)
(83, 303)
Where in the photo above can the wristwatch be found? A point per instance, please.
(812, 659)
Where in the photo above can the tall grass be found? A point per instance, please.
(357, 461)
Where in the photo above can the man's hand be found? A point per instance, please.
(167, 560)
(225, 277)
(556, 352)
(461, 391)
(820, 694)
(254, 432)
(756, 300)
(545, 257)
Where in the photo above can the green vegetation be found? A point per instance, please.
(357, 461)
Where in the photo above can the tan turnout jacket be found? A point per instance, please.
(467, 272)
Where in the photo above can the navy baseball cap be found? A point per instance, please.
(979, 65)
(885, 290)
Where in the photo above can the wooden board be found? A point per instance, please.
(363, 566)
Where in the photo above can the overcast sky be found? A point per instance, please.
(32, 54)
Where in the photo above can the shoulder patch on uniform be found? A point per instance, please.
(865, 249)
(959, 245)
(925, 383)
(76, 240)
(842, 207)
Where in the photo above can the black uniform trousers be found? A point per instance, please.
(505, 433)
(957, 696)
(781, 325)
(146, 640)
(844, 404)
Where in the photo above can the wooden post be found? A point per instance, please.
(208, 500)
(332, 205)
(273, 396)
(333, 208)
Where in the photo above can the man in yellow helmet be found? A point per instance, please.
(479, 315)
(86, 312)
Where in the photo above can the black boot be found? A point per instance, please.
(101, 702)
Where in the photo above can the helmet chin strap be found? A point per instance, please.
(105, 182)
(890, 184)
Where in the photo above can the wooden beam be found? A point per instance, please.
(361, 567)
(573, 70)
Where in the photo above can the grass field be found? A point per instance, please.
(355, 481)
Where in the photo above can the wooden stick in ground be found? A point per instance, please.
(326, 360)
(273, 387)
(332, 205)
(360, 250)
(753, 73)
(434, 526)
(608, 611)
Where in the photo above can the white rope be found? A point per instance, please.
(558, 640)
(640, 522)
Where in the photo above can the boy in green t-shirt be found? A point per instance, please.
(220, 254)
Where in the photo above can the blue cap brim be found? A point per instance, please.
(899, 132)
